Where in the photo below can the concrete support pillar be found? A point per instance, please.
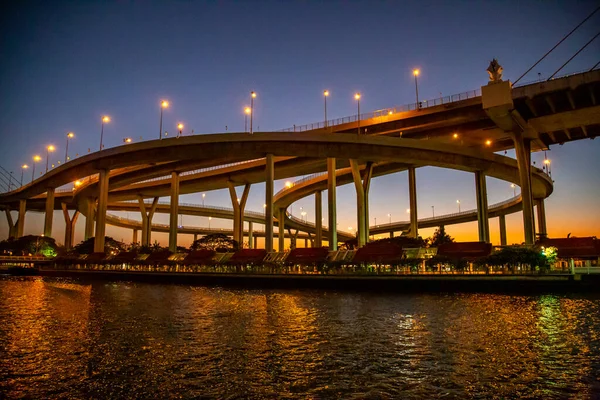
(361, 184)
(101, 212)
(502, 221)
(250, 235)
(305, 242)
(331, 205)
(281, 228)
(12, 229)
(49, 212)
(147, 215)
(69, 225)
(269, 178)
(174, 212)
(318, 219)
(90, 205)
(195, 237)
(412, 192)
(523, 152)
(293, 237)
(541, 215)
(482, 207)
(134, 238)
(391, 234)
(238, 211)
(21, 220)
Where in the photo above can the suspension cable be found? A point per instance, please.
(574, 55)
(556, 45)
(594, 67)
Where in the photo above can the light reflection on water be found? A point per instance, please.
(62, 339)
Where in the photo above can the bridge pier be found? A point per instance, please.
(238, 205)
(281, 229)
(90, 204)
(331, 205)
(412, 193)
(269, 178)
(250, 235)
(523, 152)
(49, 212)
(318, 219)
(362, 184)
(174, 212)
(21, 220)
(134, 238)
(482, 207)
(12, 228)
(69, 225)
(101, 213)
(541, 215)
(502, 221)
(147, 216)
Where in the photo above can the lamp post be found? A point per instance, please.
(512, 185)
(246, 112)
(433, 211)
(70, 135)
(209, 219)
(458, 202)
(325, 95)
(48, 150)
(357, 97)
(252, 97)
(36, 158)
(303, 213)
(203, 196)
(180, 129)
(23, 168)
(416, 74)
(163, 104)
(105, 119)
(390, 218)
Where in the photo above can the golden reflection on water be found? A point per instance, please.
(114, 340)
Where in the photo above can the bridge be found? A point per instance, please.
(462, 132)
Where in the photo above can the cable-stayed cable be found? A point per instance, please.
(574, 55)
(557, 44)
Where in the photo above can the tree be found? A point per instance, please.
(110, 246)
(440, 237)
(30, 244)
(215, 241)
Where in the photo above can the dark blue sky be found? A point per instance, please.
(64, 64)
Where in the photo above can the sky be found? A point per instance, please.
(65, 64)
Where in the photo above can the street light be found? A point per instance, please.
(390, 218)
(127, 140)
(70, 135)
(23, 168)
(433, 211)
(512, 185)
(163, 104)
(455, 136)
(105, 119)
(36, 158)
(48, 150)
(180, 128)
(303, 213)
(325, 95)
(416, 73)
(209, 219)
(252, 97)
(488, 142)
(246, 113)
(203, 196)
(408, 210)
(458, 202)
(357, 97)
(288, 184)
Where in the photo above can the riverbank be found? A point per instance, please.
(388, 283)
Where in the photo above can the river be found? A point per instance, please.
(62, 338)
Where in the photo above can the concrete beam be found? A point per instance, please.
(567, 120)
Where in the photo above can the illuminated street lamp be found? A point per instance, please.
(288, 184)
(70, 135)
(408, 210)
(127, 140)
(23, 168)
(303, 213)
(209, 219)
(416, 74)
(458, 202)
(203, 196)
(357, 97)
(247, 111)
(325, 95)
(512, 185)
(252, 97)
(163, 104)
(433, 211)
(455, 136)
(180, 128)
(105, 119)
(48, 150)
(488, 142)
(36, 158)
(390, 218)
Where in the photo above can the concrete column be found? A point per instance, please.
(482, 207)
(101, 212)
(523, 152)
(49, 212)
(238, 211)
(90, 205)
(281, 228)
(12, 229)
(412, 192)
(69, 225)
(361, 185)
(147, 215)
(269, 178)
(250, 235)
(502, 221)
(331, 204)
(305, 242)
(174, 211)
(195, 237)
(21, 220)
(318, 219)
(541, 215)
(134, 238)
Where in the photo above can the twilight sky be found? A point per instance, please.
(64, 64)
